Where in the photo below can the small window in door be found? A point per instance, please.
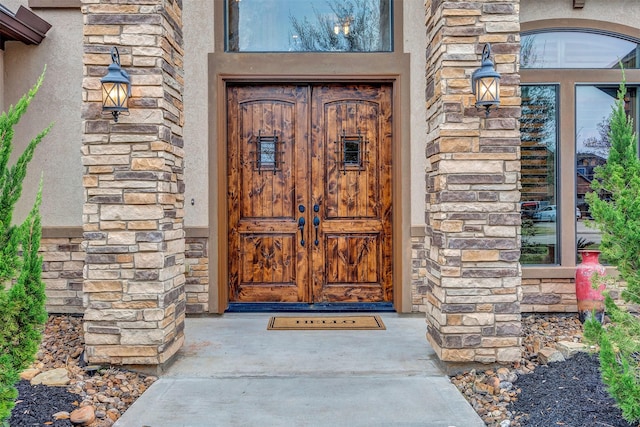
(267, 157)
(351, 152)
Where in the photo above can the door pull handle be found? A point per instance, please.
(301, 227)
(316, 223)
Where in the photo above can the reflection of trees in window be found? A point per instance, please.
(578, 49)
(528, 54)
(593, 151)
(538, 134)
(599, 144)
(538, 148)
(354, 26)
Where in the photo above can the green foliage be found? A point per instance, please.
(615, 207)
(615, 201)
(619, 357)
(22, 297)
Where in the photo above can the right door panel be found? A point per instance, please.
(351, 190)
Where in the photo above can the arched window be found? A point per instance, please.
(578, 49)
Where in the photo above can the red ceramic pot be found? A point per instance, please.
(590, 300)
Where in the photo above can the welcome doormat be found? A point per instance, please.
(325, 322)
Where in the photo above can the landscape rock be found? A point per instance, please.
(28, 374)
(569, 348)
(549, 355)
(62, 415)
(58, 377)
(83, 416)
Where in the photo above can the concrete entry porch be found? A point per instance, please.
(232, 371)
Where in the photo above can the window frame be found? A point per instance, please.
(567, 80)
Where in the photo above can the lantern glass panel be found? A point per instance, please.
(114, 95)
(487, 90)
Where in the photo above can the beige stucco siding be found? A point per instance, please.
(415, 40)
(625, 12)
(58, 101)
(198, 35)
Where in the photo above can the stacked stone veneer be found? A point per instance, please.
(134, 282)
(419, 287)
(197, 273)
(63, 261)
(473, 273)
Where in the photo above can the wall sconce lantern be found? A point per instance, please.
(116, 87)
(485, 83)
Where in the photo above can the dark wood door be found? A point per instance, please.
(309, 193)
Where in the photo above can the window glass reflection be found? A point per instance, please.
(538, 133)
(594, 106)
(309, 25)
(575, 49)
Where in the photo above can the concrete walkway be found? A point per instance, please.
(233, 372)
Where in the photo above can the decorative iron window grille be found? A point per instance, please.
(268, 156)
(351, 152)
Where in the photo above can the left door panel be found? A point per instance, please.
(267, 185)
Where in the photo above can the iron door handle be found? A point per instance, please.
(316, 223)
(301, 223)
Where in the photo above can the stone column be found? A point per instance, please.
(134, 279)
(473, 227)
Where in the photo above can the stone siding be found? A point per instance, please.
(419, 287)
(548, 296)
(63, 261)
(559, 296)
(197, 272)
(134, 282)
(473, 273)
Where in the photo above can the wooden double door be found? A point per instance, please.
(309, 193)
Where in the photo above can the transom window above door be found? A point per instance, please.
(308, 26)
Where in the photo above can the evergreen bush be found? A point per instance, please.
(615, 207)
(22, 296)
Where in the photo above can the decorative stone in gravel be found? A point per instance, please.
(54, 377)
(107, 391)
(83, 416)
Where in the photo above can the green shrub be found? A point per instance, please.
(22, 297)
(615, 207)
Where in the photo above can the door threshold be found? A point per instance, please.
(257, 307)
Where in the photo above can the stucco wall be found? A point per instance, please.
(415, 39)
(58, 101)
(624, 12)
(198, 40)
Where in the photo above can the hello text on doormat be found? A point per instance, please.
(325, 322)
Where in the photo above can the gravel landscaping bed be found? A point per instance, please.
(98, 395)
(528, 394)
(536, 392)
